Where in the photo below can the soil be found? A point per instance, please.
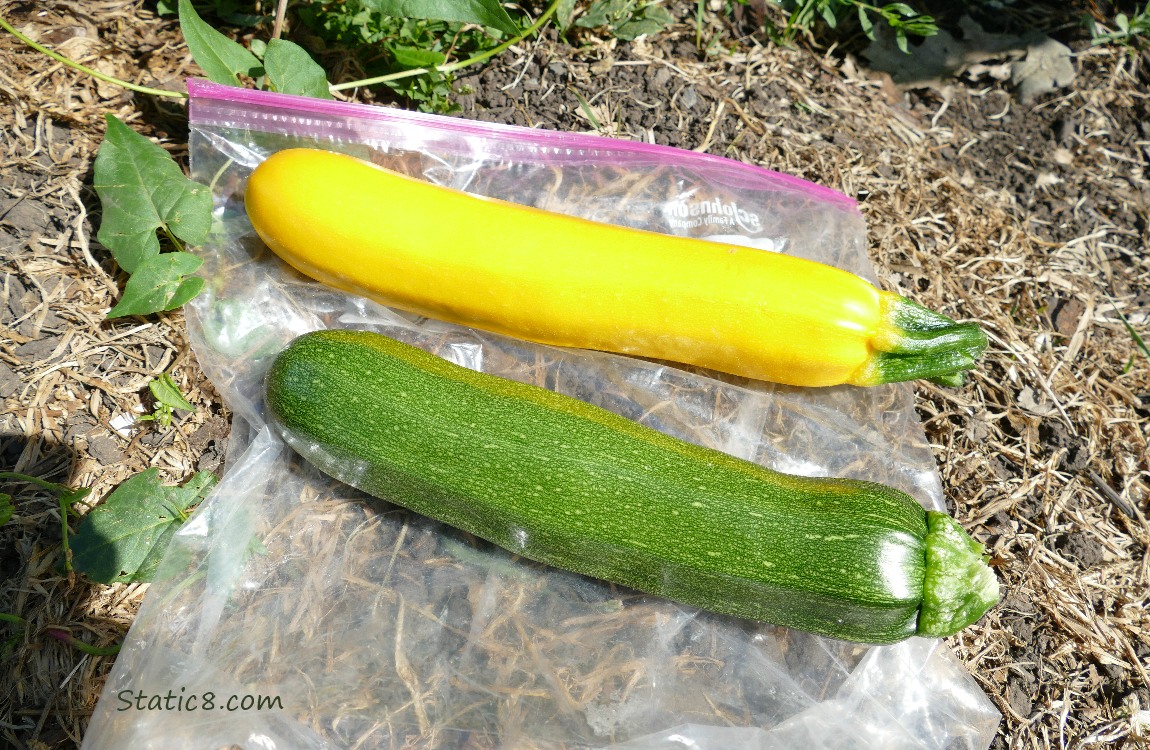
(1032, 218)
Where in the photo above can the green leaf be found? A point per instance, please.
(488, 13)
(415, 57)
(161, 283)
(290, 70)
(1138, 340)
(194, 490)
(564, 14)
(587, 111)
(6, 508)
(141, 190)
(146, 571)
(658, 14)
(599, 14)
(191, 493)
(637, 27)
(830, 16)
(901, 8)
(222, 59)
(122, 540)
(165, 8)
(866, 24)
(923, 26)
(165, 391)
(70, 496)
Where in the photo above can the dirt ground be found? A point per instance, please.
(1031, 218)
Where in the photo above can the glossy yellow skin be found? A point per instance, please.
(555, 279)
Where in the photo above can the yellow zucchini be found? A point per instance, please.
(556, 279)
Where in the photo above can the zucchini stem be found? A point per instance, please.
(914, 342)
(959, 585)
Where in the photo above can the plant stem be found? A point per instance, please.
(1129, 328)
(61, 634)
(912, 342)
(44, 483)
(11, 642)
(583, 105)
(65, 496)
(84, 69)
(172, 237)
(220, 173)
(281, 11)
(699, 24)
(64, 535)
(481, 57)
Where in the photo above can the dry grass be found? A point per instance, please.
(1043, 454)
(72, 372)
(1049, 441)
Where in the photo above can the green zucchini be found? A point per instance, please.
(569, 484)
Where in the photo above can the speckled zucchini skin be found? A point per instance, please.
(569, 484)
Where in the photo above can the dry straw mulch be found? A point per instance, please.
(1031, 219)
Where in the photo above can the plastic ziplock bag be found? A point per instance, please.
(291, 611)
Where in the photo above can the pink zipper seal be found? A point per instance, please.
(217, 105)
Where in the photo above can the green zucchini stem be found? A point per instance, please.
(959, 586)
(914, 342)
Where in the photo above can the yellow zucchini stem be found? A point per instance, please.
(914, 342)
